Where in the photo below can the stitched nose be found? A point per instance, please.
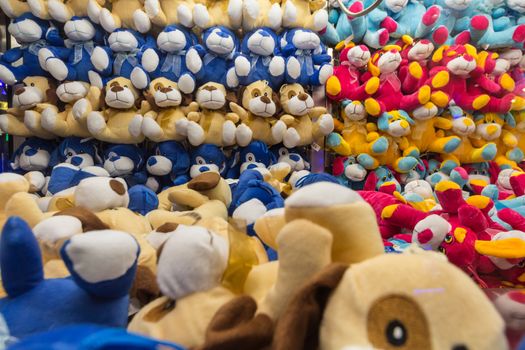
(294, 157)
(203, 169)
(152, 161)
(252, 166)
(222, 34)
(209, 88)
(165, 90)
(265, 99)
(20, 91)
(76, 161)
(114, 159)
(117, 88)
(302, 96)
(30, 152)
(459, 347)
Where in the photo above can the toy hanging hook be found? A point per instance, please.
(360, 13)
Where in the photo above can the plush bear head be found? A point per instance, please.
(262, 42)
(213, 96)
(459, 59)
(489, 125)
(385, 61)
(295, 100)
(295, 157)
(76, 151)
(458, 5)
(395, 123)
(175, 38)
(80, 29)
(255, 155)
(395, 6)
(220, 41)
(121, 94)
(164, 93)
(353, 111)
(72, 91)
(205, 158)
(28, 29)
(32, 91)
(355, 56)
(124, 40)
(462, 123)
(120, 160)
(300, 39)
(32, 154)
(349, 168)
(260, 99)
(420, 50)
(168, 157)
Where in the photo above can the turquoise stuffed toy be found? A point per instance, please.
(365, 30)
(453, 17)
(338, 27)
(483, 34)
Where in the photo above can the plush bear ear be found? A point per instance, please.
(275, 98)
(102, 99)
(240, 93)
(151, 100)
(51, 95)
(298, 327)
(232, 97)
(186, 99)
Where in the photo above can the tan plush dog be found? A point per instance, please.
(14, 8)
(211, 13)
(261, 13)
(119, 118)
(122, 13)
(166, 12)
(29, 100)
(70, 121)
(167, 119)
(212, 124)
(304, 14)
(260, 104)
(60, 10)
(305, 122)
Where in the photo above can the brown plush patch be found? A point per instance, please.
(157, 313)
(397, 322)
(205, 181)
(117, 187)
(235, 326)
(151, 100)
(186, 99)
(102, 97)
(231, 97)
(298, 327)
(167, 227)
(51, 96)
(145, 287)
(277, 101)
(90, 222)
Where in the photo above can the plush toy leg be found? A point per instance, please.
(499, 105)
(59, 11)
(330, 35)
(278, 131)
(336, 142)
(186, 83)
(155, 13)
(402, 216)
(321, 76)
(376, 39)
(445, 144)
(378, 146)
(412, 81)
(367, 161)
(10, 124)
(141, 21)
(291, 138)
(228, 133)
(364, 91)
(323, 126)
(101, 60)
(81, 109)
(39, 9)
(109, 21)
(472, 102)
(243, 135)
(404, 164)
(9, 75)
(419, 98)
(358, 25)
(482, 33)
(484, 154)
(56, 123)
(33, 121)
(195, 133)
(428, 21)
(139, 78)
(94, 9)
(152, 130)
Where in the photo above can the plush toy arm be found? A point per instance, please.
(338, 125)
(509, 139)
(194, 116)
(151, 114)
(440, 77)
(193, 107)
(372, 136)
(93, 97)
(402, 215)
(233, 117)
(102, 60)
(287, 119)
(487, 84)
(371, 127)
(442, 123)
(317, 111)
(240, 111)
(12, 55)
(322, 58)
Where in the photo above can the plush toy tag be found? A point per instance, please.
(316, 147)
(242, 257)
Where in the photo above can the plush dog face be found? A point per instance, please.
(463, 126)
(122, 160)
(259, 99)
(458, 5)
(25, 31)
(211, 95)
(421, 50)
(512, 55)
(80, 29)
(33, 92)
(172, 40)
(168, 157)
(358, 56)
(72, 91)
(395, 123)
(255, 155)
(220, 41)
(165, 92)
(353, 170)
(293, 158)
(457, 60)
(353, 110)
(388, 61)
(33, 157)
(489, 125)
(261, 43)
(121, 94)
(294, 100)
(205, 158)
(501, 66)
(122, 41)
(396, 5)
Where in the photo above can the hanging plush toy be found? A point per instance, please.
(260, 59)
(121, 14)
(168, 60)
(76, 151)
(169, 107)
(122, 58)
(32, 155)
(32, 34)
(127, 162)
(307, 62)
(29, 100)
(205, 158)
(169, 163)
(213, 61)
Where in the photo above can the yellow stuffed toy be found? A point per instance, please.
(305, 122)
(77, 96)
(304, 14)
(261, 13)
(356, 137)
(14, 8)
(61, 10)
(227, 13)
(120, 14)
(29, 100)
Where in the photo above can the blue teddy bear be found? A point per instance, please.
(168, 60)
(255, 155)
(169, 164)
(307, 61)
(76, 151)
(102, 265)
(207, 157)
(214, 59)
(123, 56)
(32, 34)
(126, 161)
(295, 157)
(66, 175)
(73, 62)
(33, 154)
(260, 59)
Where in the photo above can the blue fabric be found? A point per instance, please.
(142, 200)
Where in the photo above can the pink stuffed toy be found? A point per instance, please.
(347, 82)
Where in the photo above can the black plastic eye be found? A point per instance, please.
(396, 333)
(69, 154)
(449, 239)
(32, 84)
(442, 250)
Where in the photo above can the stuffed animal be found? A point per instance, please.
(452, 18)
(114, 119)
(166, 12)
(305, 122)
(338, 27)
(346, 83)
(14, 8)
(29, 100)
(70, 120)
(73, 62)
(32, 34)
(356, 137)
(123, 56)
(261, 13)
(126, 162)
(360, 29)
(260, 59)
(207, 157)
(210, 123)
(254, 155)
(349, 172)
(259, 105)
(92, 295)
(121, 14)
(387, 15)
(207, 14)
(65, 176)
(295, 157)
(76, 151)
(168, 60)
(169, 107)
(169, 163)
(307, 62)
(213, 61)
(63, 11)
(33, 154)
(483, 34)
(297, 14)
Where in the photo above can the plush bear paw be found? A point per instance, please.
(243, 135)
(93, 11)
(291, 138)
(452, 144)
(80, 109)
(193, 61)
(278, 131)
(405, 164)
(507, 82)
(141, 21)
(440, 99)
(372, 85)
(251, 9)
(57, 68)
(380, 145)
(325, 72)
(275, 17)
(232, 81)
(152, 7)
(488, 151)
(372, 107)
(95, 123)
(186, 83)
(139, 78)
(201, 16)
(277, 66)
(367, 161)
(293, 68)
(7, 76)
(150, 60)
(228, 133)
(333, 86)
(235, 13)
(58, 11)
(440, 80)
(415, 70)
(326, 124)
(4, 123)
(242, 66)
(289, 15)
(99, 58)
(320, 20)
(411, 151)
(480, 102)
(181, 126)
(333, 140)
(519, 34)
(49, 118)
(518, 103)
(43, 55)
(431, 16)
(150, 128)
(135, 125)
(516, 155)
(107, 21)
(185, 16)
(424, 94)
(31, 120)
(389, 24)
(195, 134)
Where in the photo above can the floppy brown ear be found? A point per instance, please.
(231, 97)
(186, 99)
(235, 326)
(277, 101)
(298, 327)
(138, 102)
(151, 100)
(90, 222)
(240, 93)
(51, 96)
(102, 99)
